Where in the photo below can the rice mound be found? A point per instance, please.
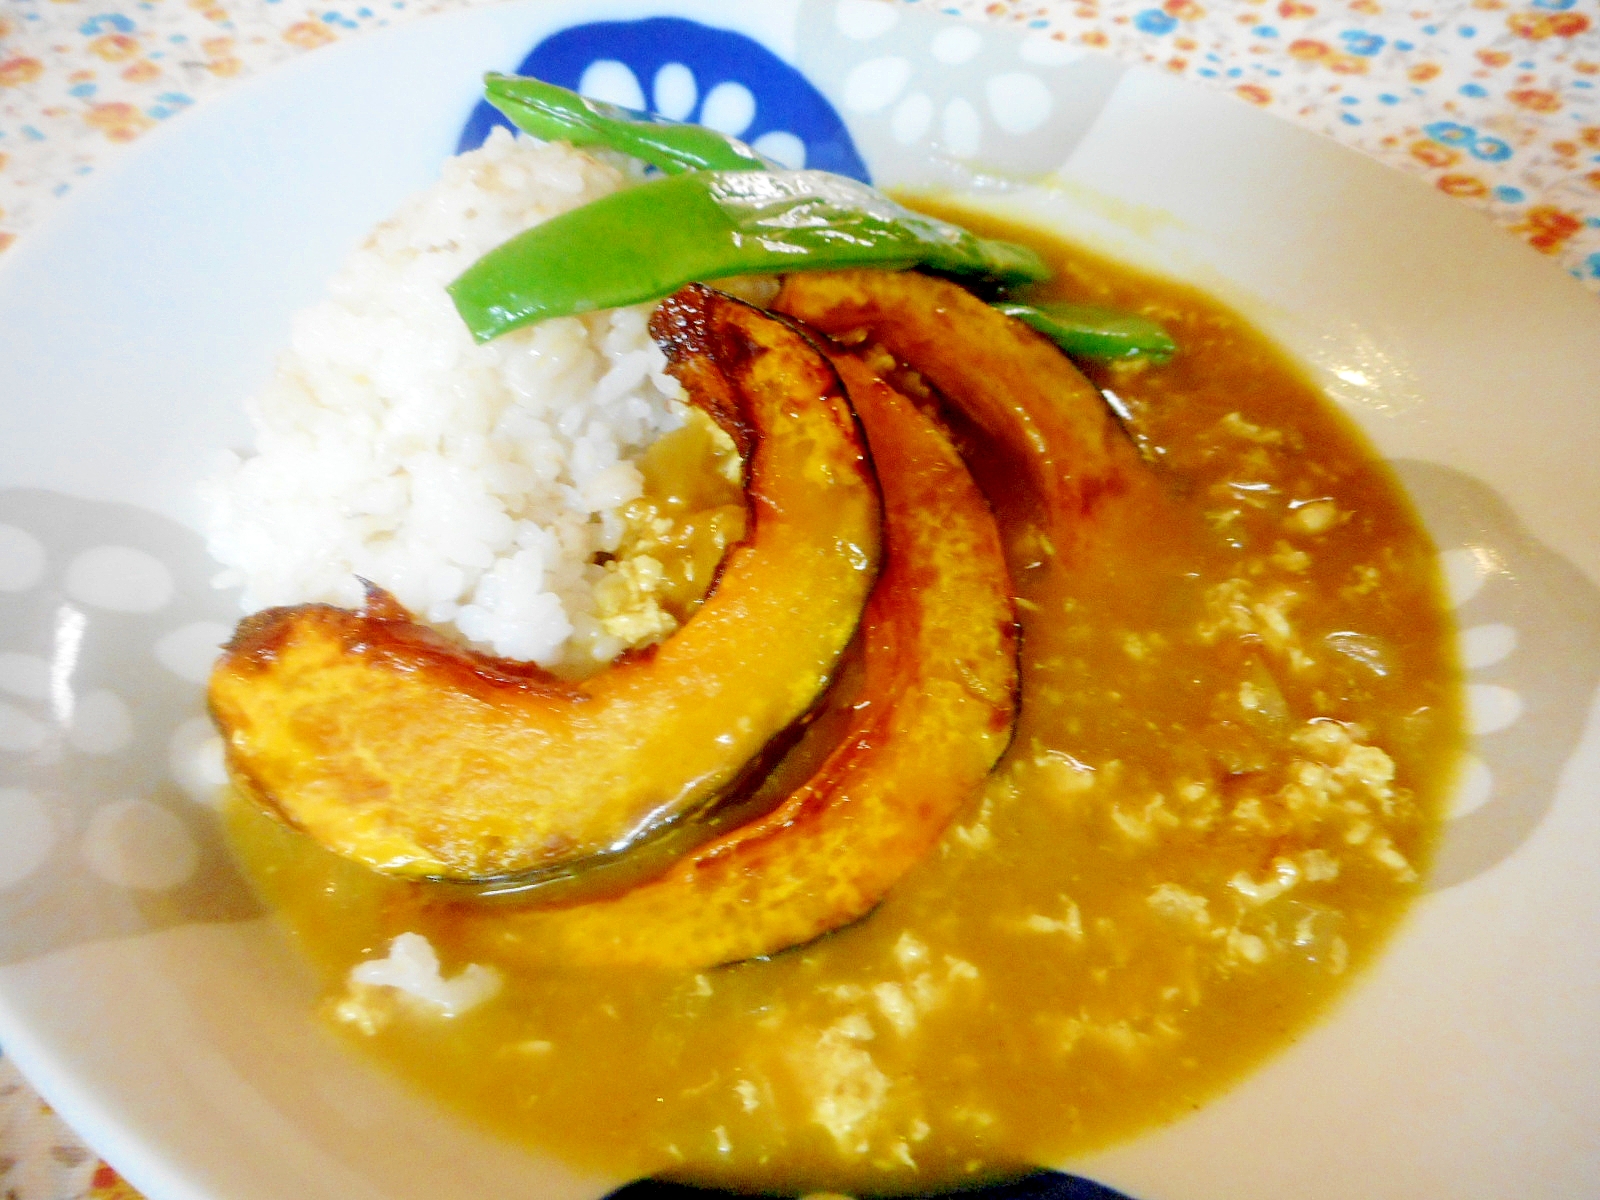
(475, 483)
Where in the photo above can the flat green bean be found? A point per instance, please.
(1094, 331)
(647, 241)
(556, 114)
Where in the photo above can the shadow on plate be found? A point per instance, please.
(1530, 633)
(109, 768)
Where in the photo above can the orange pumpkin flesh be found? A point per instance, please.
(931, 717)
(416, 757)
(1034, 407)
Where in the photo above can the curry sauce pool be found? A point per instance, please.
(1234, 744)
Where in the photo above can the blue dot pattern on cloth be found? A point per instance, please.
(785, 101)
(1452, 133)
(1155, 21)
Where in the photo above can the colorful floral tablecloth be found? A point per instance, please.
(1496, 102)
(42, 1159)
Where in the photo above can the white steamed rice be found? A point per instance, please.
(475, 483)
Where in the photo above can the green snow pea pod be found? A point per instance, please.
(556, 114)
(1092, 331)
(647, 241)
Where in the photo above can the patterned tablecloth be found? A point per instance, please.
(1496, 102)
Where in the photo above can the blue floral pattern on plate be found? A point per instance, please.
(1039, 1185)
(691, 72)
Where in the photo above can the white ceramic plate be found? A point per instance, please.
(167, 1020)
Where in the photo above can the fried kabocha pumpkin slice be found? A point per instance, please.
(1012, 383)
(932, 715)
(416, 757)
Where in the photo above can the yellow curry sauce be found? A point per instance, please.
(1225, 783)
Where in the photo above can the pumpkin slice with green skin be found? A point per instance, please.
(931, 716)
(1015, 385)
(394, 747)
